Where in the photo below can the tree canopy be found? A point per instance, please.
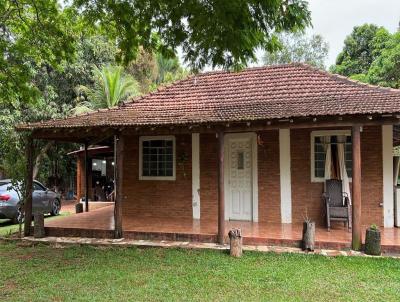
(371, 54)
(385, 69)
(299, 48)
(44, 33)
(52, 94)
(217, 33)
(360, 49)
(32, 32)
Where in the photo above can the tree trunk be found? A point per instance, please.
(28, 186)
(308, 236)
(40, 157)
(235, 236)
(38, 228)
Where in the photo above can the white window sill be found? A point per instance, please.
(167, 178)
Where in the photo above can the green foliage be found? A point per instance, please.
(298, 48)
(373, 227)
(169, 70)
(12, 164)
(42, 35)
(32, 32)
(360, 49)
(371, 55)
(385, 70)
(111, 87)
(165, 66)
(12, 144)
(144, 70)
(59, 85)
(55, 100)
(217, 33)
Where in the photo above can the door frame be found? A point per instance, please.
(253, 137)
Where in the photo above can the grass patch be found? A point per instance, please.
(43, 273)
(7, 228)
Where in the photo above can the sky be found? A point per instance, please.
(335, 19)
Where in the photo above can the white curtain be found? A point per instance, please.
(326, 141)
(396, 167)
(342, 165)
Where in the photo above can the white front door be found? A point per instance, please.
(239, 176)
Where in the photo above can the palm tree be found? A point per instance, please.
(111, 87)
(166, 67)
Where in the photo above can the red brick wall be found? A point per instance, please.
(174, 198)
(269, 204)
(306, 196)
(157, 198)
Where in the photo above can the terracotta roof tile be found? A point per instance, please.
(273, 92)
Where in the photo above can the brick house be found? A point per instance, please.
(245, 146)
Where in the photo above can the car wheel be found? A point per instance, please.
(20, 217)
(55, 209)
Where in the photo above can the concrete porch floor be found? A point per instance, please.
(99, 223)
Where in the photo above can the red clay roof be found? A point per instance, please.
(273, 92)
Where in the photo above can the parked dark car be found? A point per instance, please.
(43, 200)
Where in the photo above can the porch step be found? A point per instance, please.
(202, 238)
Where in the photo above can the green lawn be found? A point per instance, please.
(44, 273)
(7, 227)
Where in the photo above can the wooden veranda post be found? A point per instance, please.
(29, 186)
(221, 193)
(356, 189)
(86, 178)
(80, 167)
(118, 176)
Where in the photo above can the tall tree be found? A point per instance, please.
(55, 100)
(31, 31)
(371, 54)
(298, 48)
(218, 33)
(144, 70)
(361, 48)
(385, 69)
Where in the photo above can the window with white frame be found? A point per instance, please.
(157, 157)
(319, 140)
